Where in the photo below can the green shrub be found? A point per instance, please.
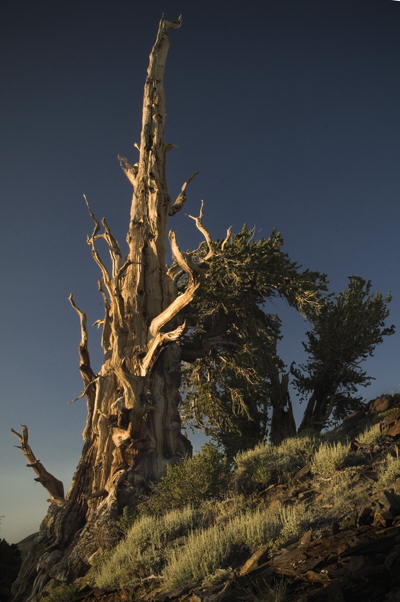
(266, 464)
(205, 476)
(126, 520)
(146, 547)
(329, 458)
(62, 593)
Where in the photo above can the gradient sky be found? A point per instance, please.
(290, 109)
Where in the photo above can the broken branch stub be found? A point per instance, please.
(84, 364)
(49, 482)
(207, 236)
(181, 198)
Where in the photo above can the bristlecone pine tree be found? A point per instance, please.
(133, 428)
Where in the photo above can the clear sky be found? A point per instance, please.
(290, 109)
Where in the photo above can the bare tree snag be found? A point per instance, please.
(133, 427)
(49, 482)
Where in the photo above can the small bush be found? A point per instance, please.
(146, 548)
(337, 494)
(205, 476)
(266, 464)
(62, 593)
(329, 458)
(254, 468)
(302, 446)
(126, 520)
(294, 521)
(370, 435)
(389, 471)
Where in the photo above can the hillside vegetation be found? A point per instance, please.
(296, 521)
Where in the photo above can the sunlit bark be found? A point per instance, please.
(133, 428)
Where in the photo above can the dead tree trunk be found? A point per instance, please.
(317, 412)
(283, 424)
(133, 427)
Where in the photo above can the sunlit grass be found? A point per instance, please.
(146, 547)
(217, 547)
(370, 435)
(329, 458)
(267, 463)
(389, 471)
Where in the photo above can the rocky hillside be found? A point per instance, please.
(308, 520)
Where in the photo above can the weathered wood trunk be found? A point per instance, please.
(283, 424)
(317, 412)
(133, 426)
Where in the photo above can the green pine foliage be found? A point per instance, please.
(231, 364)
(230, 345)
(346, 330)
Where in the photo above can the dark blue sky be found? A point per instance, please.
(289, 109)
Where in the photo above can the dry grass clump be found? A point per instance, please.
(223, 546)
(216, 578)
(329, 458)
(303, 446)
(262, 591)
(390, 412)
(265, 464)
(222, 511)
(370, 435)
(145, 549)
(259, 589)
(389, 471)
(337, 494)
